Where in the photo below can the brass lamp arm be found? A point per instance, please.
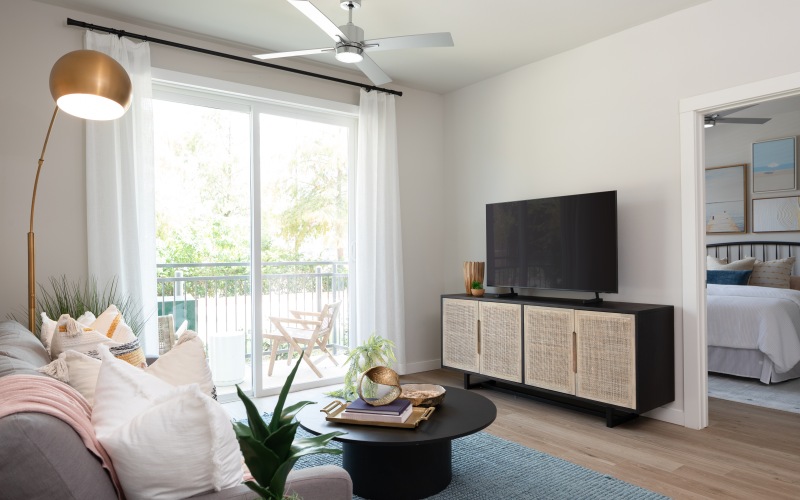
(31, 243)
(41, 161)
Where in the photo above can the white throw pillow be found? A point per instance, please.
(76, 369)
(773, 273)
(715, 264)
(46, 331)
(165, 442)
(185, 363)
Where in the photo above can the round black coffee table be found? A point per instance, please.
(389, 463)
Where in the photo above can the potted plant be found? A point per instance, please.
(271, 450)
(77, 297)
(375, 351)
(477, 289)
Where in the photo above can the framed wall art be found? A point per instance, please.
(726, 199)
(771, 215)
(774, 165)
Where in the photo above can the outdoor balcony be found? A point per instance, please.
(217, 302)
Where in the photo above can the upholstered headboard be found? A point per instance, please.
(761, 250)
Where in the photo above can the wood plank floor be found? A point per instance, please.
(746, 452)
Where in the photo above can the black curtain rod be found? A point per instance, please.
(81, 24)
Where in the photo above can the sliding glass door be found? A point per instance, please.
(252, 192)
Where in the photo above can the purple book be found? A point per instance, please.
(396, 407)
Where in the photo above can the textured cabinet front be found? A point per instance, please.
(460, 334)
(549, 348)
(501, 341)
(606, 355)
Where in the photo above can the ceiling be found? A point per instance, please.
(490, 37)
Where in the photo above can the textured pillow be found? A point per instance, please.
(716, 277)
(165, 441)
(109, 328)
(185, 363)
(773, 273)
(76, 369)
(47, 331)
(746, 264)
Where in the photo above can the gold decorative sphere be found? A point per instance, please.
(381, 375)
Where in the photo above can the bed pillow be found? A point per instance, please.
(725, 277)
(773, 273)
(165, 441)
(715, 264)
(794, 282)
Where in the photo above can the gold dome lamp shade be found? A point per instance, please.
(90, 85)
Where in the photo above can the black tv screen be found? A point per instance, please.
(561, 243)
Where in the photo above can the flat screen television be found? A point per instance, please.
(560, 243)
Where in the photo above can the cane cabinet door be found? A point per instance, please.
(460, 334)
(550, 348)
(500, 333)
(606, 351)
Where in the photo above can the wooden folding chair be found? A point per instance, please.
(303, 332)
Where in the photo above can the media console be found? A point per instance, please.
(614, 359)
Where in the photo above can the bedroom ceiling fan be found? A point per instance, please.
(711, 120)
(349, 44)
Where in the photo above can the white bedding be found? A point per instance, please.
(756, 317)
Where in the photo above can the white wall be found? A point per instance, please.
(605, 116)
(732, 145)
(35, 35)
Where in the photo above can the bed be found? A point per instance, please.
(754, 331)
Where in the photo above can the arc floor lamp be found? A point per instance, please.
(90, 85)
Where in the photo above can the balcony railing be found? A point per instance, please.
(216, 298)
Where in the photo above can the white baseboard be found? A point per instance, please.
(671, 415)
(419, 366)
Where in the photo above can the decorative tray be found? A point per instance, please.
(334, 409)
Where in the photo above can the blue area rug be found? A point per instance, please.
(487, 467)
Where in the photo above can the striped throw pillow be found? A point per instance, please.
(109, 328)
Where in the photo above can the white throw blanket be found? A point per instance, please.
(756, 317)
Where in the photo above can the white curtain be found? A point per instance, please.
(379, 252)
(120, 187)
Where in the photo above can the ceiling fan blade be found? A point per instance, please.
(751, 121)
(277, 55)
(318, 18)
(410, 42)
(373, 71)
(732, 111)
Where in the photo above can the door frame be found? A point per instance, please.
(692, 110)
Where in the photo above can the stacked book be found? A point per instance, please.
(395, 412)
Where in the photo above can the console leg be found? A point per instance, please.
(613, 419)
(466, 381)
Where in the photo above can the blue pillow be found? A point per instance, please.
(727, 277)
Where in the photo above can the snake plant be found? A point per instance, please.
(271, 450)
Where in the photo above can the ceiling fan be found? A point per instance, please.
(349, 44)
(711, 120)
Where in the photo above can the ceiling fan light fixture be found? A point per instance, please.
(349, 53)
(709, 123)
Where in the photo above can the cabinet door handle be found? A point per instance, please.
(479, 336)
(574, 352)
